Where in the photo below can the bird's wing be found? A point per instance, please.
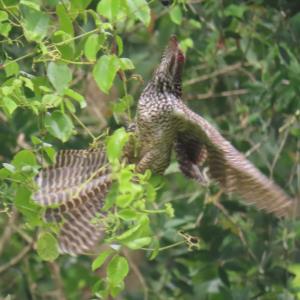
(81, 229)
(74, 171)
(227, 166)
(76, 186)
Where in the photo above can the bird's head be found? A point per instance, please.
(168, 73)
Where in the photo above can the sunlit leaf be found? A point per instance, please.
(59, 75)
(126, 64)
(35, 23)
(138, 243)
(109, 8)
(91, 46)
(65, 21)
(59, 125)
(5, 28)
(117, 270)
(176, 15)
(23, 158)
(76, 96)
(3, 15)
(139, 9)
(116, 143)
(47, 247)
(99, 261)
(105, 71)
(9, 105)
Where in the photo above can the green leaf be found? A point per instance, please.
(123, 104)
(59, 125)
(79, 4)
(186, 43)
(155, 245)
(99, 261)
(128, 214)
(70, 106)
(119, 42)
(138, 231)
(92, 46)
(31, 4)
(59, 75)
(110, 198)
(169, 210)
(139, 9)
(9, 105)
(129, 233)
(67, 48)
(24, 158)
(5, 28)
(117, 270)
(76, 96)
(47, 247)
(150, 192)
(3, 15)
(35, 23)
(295, 131)
(124, 200)
(9, 167)
(51, 100)
(126, 64)
(105, 70)
(51, 153)
(176, 15)
(235, 10)
(28, 83)
(139, 243)
(65, 21)
(27, 207)
(115, 144)
(109, 8)
(11, 68)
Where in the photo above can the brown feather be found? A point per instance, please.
(227, 166)
(77, 184)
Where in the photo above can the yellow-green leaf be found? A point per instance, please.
(105, 71)
(47, 247)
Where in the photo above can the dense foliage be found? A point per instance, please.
(71, 72)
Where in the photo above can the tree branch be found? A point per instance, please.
(9, 229)
(210, 95)
(225, 70)
(16, 259)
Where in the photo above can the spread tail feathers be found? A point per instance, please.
(76, 185)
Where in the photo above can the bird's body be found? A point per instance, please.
(156, 125)
(163, 123)
(156, 130)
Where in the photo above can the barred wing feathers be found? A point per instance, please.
(74, 188)
(227, 166)
(58, 183)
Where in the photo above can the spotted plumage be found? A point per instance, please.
(75, 187)
(165, 121)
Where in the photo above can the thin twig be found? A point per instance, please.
(16, 259)
(281, 146)
(9, 229)
(225, 70)
(56, 276)
(210, 95)
(240, 232)
(137, 273)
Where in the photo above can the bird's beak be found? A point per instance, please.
(173, 46)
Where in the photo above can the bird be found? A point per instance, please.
(80, 179)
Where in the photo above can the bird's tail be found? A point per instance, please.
(73, 190)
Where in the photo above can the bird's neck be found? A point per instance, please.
(165, 87)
